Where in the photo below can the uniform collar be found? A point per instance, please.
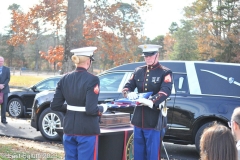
(153, 66)
(80, 69)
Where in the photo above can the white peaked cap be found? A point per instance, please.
(85, 51)
(149, 47)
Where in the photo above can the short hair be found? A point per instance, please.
(236, 115)
(217, 143)
(79, 59)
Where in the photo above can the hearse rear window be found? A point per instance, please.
(219, 79)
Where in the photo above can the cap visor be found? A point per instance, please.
(145, 54)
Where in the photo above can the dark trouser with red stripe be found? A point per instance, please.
(80, 147)
(147, 144)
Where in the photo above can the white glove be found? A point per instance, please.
(105, 107)
(132, 95)
(146, 102)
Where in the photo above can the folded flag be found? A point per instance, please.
(125, 102)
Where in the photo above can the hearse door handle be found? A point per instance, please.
(168, 99)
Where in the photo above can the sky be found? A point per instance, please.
(156, 21)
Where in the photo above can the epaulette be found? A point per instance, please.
(140, 67)
(164, 68)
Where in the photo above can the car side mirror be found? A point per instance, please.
(34, 88)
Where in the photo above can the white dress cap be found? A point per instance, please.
(85, 51)
(149, 47)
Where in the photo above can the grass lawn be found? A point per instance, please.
(11, 151)
(21, 149)
(25, 80)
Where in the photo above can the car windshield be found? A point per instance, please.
(111, 81)
(49, 84)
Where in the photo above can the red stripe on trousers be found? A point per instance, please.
(95, 149)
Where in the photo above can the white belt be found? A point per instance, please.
(76, 108)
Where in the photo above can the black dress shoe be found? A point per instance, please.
(4, 122)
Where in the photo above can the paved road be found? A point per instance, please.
(180, 152)
(21, 128)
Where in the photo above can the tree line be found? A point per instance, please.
(43, 37)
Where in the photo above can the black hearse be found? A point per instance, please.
(202, 92)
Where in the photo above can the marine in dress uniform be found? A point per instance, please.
(77, 95)
(148, 121)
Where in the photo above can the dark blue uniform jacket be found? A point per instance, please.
(156, 79)
(79, 88)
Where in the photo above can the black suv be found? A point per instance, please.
(202, 92)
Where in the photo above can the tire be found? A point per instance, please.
(49, 120)
(15, 108)
(199, 134)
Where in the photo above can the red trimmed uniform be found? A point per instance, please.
(149, 123)
(81, 128)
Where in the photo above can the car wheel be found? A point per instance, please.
(49, 120)
(199, 134)
(15, 108)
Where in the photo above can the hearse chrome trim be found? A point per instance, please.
(178, 128)
(230, 79)
(213, 95)
(179, 73)
(224, 96)
(187, 97)
(193, 82)
(187, 129)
